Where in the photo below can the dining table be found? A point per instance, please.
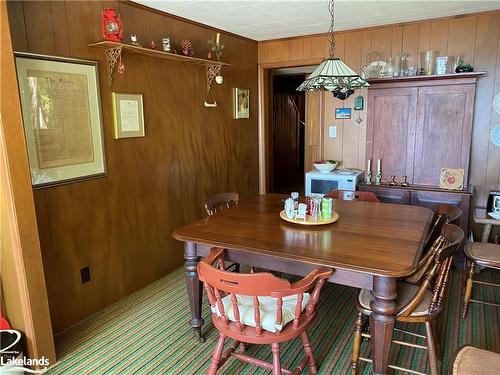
(370, 246)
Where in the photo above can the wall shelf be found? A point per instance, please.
(114, 50)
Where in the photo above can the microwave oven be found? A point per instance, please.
(339, 179)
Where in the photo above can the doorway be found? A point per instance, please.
(287, 133)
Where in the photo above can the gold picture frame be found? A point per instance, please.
(241, 103)
(128, 115)
(61, 108)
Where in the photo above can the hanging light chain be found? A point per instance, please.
(331, 35)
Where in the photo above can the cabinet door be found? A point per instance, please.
(389, 195)
(390, 132)
(444, 125)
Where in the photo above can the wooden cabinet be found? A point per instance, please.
(390, 134)
(418, 125)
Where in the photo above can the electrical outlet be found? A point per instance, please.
(85, 274)
(332, 132)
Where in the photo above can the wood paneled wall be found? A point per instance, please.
(475, 37)
(121, 225)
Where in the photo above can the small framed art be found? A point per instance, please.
(342, 113)
(451, 178)
(241, 103)
(128, 115)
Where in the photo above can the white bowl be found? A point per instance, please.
(325, 167)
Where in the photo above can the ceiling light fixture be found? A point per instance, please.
(333, 74)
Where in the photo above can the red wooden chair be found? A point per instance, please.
(260, 308)
(365, 196)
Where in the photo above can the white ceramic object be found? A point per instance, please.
(290, 208)
(325, 167)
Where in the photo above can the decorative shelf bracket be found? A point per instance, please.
(113, 55)
(212, 72)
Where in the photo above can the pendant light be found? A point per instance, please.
(333, 74)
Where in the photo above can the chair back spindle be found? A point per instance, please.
(436, 271)
(218, 202)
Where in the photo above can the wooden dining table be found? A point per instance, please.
(370, 246)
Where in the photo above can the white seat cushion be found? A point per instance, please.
(405, 293)
(267, 308)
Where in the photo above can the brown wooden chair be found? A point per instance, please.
(217, 202)
(260, 308)
(365, 196)
(421, 303)
(482, 254)
(452, 213)
(470, 360)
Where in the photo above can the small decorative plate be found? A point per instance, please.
(496, 103)
(309, 220)
(495, 135)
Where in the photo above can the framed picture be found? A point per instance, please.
(62, 118)
(241, 103)
(342, 113)
(128, 114)
(451, 178)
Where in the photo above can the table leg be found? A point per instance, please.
(194, 288)
(382, 321)
(486, 233)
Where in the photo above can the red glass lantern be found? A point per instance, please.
(111, 23)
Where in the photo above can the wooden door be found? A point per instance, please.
(443, 136)
(390, 133)
(287, 138)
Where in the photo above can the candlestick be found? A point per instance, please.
(368, 177)
(217, 39)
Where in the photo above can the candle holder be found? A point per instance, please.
(368, 178)
(378, 178)
(404, 183)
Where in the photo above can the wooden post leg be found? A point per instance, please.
(356, 343)
(382, 321)
(431, 349)
(194, 288)
(468, 287)
(486, 233)
(275, 348)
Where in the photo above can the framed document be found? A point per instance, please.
(128, 114)
(241, 103)
(62, 118)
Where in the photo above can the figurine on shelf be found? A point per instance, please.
(152, 44)
(166, 44)
(133, 40)
(215, 47)
(187, 48)
(393, 181)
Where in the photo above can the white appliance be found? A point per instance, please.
(338, 179)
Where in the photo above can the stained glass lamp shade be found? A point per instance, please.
(335, 76)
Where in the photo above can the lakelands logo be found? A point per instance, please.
(9, 359)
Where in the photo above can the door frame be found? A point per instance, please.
(265, 120)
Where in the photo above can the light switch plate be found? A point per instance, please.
(332, 132)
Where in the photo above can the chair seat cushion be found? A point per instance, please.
(267, 309)
(483, 252)
(405, 293)
(470, 360)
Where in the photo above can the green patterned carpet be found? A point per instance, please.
(147, 333)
